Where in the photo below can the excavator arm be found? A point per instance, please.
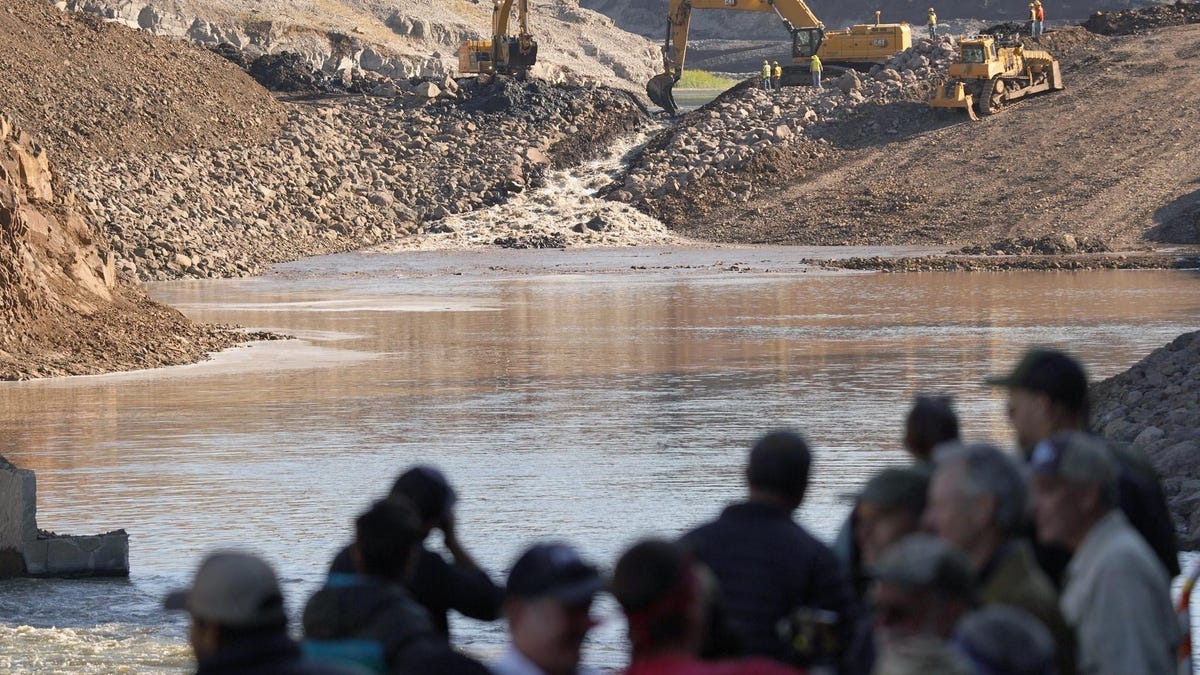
(510, 54)
(806, 29)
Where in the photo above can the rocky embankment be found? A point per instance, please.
(345, 173)
(1155, 406)
(64, 309)
(748, 126)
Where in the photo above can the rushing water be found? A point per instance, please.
(572, 395)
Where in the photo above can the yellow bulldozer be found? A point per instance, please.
(991, 72)
(859, 46)
(504, 54)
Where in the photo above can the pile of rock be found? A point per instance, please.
(1154, 406)
(1129, 21)
(1051, 244)
(345, 173)
(729, 133)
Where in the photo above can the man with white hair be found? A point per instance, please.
(1117, 595)
(977, 501)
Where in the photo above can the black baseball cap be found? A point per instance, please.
(553, 570)
(1048, 371)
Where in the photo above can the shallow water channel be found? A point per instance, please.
(593, 396)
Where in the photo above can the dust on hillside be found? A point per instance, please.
(1115, 156)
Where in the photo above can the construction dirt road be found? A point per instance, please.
(1114, 156)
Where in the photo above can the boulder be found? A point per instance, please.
(427, 90)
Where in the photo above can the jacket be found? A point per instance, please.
(768, 567)
(1118, 598)
(815, 64)
(766, 71)
(439, 587)
(366, 621)
(932, 19)
(262, 655)
(1013, 578)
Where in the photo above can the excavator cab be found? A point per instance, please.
(806, 42)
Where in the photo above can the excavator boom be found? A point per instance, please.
(859, 44)
(504, 53)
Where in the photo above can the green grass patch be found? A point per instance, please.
(701, 79)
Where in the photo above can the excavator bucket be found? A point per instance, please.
(659, 90)
(954, 95)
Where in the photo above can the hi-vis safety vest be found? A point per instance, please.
(815, 65)
(932, 19)
(766, 72)
(778, 71)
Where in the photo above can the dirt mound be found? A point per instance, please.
(63, 309)
(95, 89)
(285, 71)
(1154, 406)
(1128, 21)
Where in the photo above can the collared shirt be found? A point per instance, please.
(1118, 598)
(513, 662)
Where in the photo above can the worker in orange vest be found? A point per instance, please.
(1039, 18)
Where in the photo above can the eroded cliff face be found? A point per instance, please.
(63, 310)
(50, 263)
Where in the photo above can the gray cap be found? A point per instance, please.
(898, 487)
(922, 561)
(1075, 457)
(233, 589)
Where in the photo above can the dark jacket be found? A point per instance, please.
(439, 587)
(768, 567)
(366, 621)
(274, 654)
(1013, 578)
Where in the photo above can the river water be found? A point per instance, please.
(594, 396)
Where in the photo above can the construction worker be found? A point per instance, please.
(776, 75)
(1039, 18)
(1032, 19)
(932, 23)
(814, 65)
(766, 74)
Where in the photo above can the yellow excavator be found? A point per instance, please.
(991, 72)
(504, 54)
(859, 46)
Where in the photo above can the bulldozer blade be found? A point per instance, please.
(659, 89)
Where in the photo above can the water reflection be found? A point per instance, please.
(598, 405)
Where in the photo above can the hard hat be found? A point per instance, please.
(931, 9)
(776, 62)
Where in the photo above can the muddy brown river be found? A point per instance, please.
(591, 396)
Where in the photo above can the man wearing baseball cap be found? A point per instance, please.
(238, 624)
(437, 584)
(548, 604)
(1117, 596)
(1048, 394)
